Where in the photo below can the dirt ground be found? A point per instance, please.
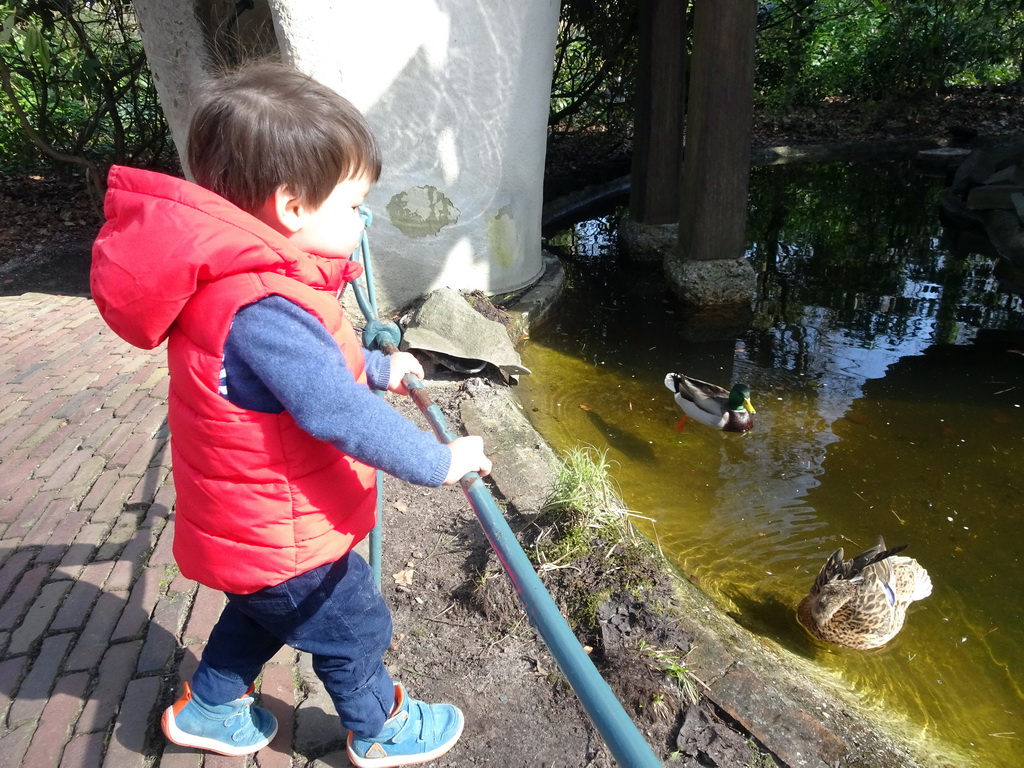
(461, 635)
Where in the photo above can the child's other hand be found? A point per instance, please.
(467, 456)
(401, 364)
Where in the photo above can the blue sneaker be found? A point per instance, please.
(235, 728)
(415, 733)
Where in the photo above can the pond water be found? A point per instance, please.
(888, 378)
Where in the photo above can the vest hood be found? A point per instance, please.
(165, 236)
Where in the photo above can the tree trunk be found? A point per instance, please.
(716, 170)
(173, 39)
(660, 110)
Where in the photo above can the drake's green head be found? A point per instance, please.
(739, 399)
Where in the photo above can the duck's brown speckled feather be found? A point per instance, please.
(862, 602)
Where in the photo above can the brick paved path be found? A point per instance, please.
(93, 613)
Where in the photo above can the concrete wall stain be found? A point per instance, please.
(422, 211)
(503, 238)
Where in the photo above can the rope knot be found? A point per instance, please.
(377, 333)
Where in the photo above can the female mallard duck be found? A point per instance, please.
(862, 603)
(712, 405)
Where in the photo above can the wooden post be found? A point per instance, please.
(659, 114)
(716, 169)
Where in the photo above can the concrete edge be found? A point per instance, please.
(535, 305)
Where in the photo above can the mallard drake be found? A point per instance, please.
(862, 603)
(710, 404)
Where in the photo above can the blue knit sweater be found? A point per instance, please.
(278, 357)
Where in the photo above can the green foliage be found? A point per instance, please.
(890, 52)
(586, 511)
(76, 88)
(884, 50)
(594, 78)
(584, 527)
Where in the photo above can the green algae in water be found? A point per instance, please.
(869, 422)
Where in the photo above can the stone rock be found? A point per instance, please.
(705, 740)
(955, 214)
(445, 324)
(1010, 174)
(993, 196)
(647, 242)
(523, 463)
(538, 302)
(981, 164)
(943, 156)
(728, 282)
(1004, 230)
(983, 209)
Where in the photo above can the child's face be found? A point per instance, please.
(335, 228)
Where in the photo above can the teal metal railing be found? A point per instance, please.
(619, 732)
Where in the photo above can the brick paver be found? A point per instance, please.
(97, 628)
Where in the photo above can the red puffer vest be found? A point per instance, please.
(258, 499)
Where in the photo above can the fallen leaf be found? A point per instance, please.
(401, 506)
(404, 578)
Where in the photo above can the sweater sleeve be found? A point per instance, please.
(378, 369)
(280, 357)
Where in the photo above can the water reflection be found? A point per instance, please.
(887, 376)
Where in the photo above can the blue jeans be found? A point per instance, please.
(334, 612)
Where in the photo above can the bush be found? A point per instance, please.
(76, 86)
(884, 50)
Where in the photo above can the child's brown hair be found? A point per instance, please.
(265, 125)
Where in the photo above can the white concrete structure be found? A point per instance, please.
(457, 92)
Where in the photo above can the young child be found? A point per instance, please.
(275, 429)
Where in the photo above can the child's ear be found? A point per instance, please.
(285, 210)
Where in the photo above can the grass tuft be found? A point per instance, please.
(585, 496)
(674, 666)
